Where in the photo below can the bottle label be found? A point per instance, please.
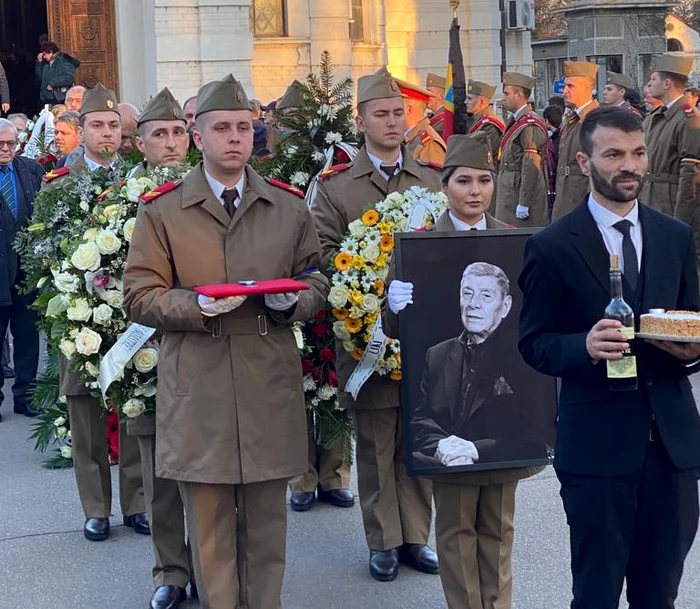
(625, 368)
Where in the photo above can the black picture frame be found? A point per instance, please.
(434, 263)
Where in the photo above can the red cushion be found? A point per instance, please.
(270, 286)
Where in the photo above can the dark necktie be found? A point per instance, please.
(629, 253)
(230, 196)
(574, 118)
(473, 228)
(7, 191)
(389, 170)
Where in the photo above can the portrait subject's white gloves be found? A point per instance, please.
(281, 302)
(522, 212)
(211, 307)
(399, 296)
(452, 448)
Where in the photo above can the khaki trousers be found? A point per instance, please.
(474, 531)
(327, 468)
(238, 535)
(88, 423)
(396, 508)
(167, 518)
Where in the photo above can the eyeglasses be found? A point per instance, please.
(8, 144)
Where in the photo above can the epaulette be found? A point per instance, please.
(333, 170)
(105, 193)
(430, 164)
(425, 137)
(149, 196)
(285, 186)
(56, 173)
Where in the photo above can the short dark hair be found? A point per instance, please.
(608, 116)
(557, 100)
(70, 118)
(49, 47)
(361, 107)
(553, 115)
(678, 79)
(693, 91)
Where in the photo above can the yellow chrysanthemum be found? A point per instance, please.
(357, 354)
(355, 298)
(395, 375)
(340, 314)
(353, 325)
(343, 261)
(358, 262)
(379, 286)
(382, 261)
(386, 243)
(370, 217)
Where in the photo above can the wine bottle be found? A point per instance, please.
(622, 373)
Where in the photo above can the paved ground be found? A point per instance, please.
(45, 562)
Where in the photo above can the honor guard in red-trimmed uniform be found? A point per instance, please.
(615, 91)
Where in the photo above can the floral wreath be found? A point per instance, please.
(361, 267)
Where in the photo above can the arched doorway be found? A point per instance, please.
(674, 46)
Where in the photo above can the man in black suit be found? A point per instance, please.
(627, 460)
(20, 179)
(473, 385)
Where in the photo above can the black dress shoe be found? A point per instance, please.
(420, 557)
(168, 597)
(26, 409)
(96, 529)
(384, 564)
(339, 497)
(302, 502)
(138, 522)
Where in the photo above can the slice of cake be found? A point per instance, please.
(671, 323)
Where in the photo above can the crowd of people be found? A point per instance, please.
(207, 475)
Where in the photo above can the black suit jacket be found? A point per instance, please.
(566, 288)
(28, 175)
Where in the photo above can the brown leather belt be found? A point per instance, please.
(237, 325)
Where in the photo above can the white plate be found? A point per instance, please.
(673, 339)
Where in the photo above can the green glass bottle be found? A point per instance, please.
(622, 373)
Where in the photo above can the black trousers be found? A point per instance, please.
(22, 321)
(638, 528)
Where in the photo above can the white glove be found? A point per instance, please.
(399, 296)
(281, 302)
(461, 461)
(211, 307)
(522, 212)
(452, 448)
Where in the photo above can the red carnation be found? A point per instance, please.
(316, 374)
(327, 354)
(341, 156)
(321, 329)
(332, 378)
(306, 366)
(321, 315)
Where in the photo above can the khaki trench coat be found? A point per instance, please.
(230, 405)
(342, 198)
(493, 133)
(572, 185)
(425, 144)
(521, 178)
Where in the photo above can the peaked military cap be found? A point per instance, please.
(411, 90)
(379, 85)
(515, 79)
(469, 151)
(433, 80)
(676, 64)
(162, 107)
(225, 94)
(584, 69)
(475, 87)
(292, 97)
(613, 78)
(99, 99)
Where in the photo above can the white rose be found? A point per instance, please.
(338, 296)
(340, 331)
(348, 345)
(133, 190)
(114, 298)
(66, 452)
(108, 242)
(91, 369)
(91, 234)
(66, 282)
(57, 305)
(112, 212)
(146, 183)
(370, 253)
(60, 422)
(102, 314)
(67, 347)
(370, 303)
(86, 257)
(128, 229)
(145, 360)
(87, 342)
(79, 310)
(357, 229)
(133, 408)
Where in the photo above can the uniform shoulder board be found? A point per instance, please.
(56, 173)
(151, 195)
(429, 164)
(425, 137)
(333, 170)
(285, 186)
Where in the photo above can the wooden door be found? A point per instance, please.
(87, 30)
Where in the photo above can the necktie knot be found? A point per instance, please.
(389, 170)
(230, 196)
(624, 226)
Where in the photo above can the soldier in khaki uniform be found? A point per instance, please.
(482, 116)
(474, 511)
(436, 105)
(396, 509)
(100, 130)
(572, 185)
(163, 140)
(422, 141)
(522, 189)
(615, 91)
(230, 416)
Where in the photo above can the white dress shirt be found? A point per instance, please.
(460, 225)
(94, 165)
(670, 104)
(377, 162)
(605, 219)
(581, 108)
(520, 111)
(218, 188)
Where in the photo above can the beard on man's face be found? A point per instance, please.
(611, 190)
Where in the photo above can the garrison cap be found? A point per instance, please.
(613, 78)
(292, 97)
(162, 107)
(99, 99)
(475, 87)
(433, 80)
(515, 79)
(225, 94)
(675, 64)
(584, 69)
(469, 151)
(379, 85)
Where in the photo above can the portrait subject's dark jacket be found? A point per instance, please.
(566, 288)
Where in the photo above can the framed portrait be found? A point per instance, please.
(470, 402)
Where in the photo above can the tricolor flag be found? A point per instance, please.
(455, 88)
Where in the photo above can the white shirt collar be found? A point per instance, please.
(218, 188)
(461, 225)
(669, 104)
(520, 111)
(606, 218)
(93, 165)
(377, 162)
(580, 109)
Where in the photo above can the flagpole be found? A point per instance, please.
(455, 5)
